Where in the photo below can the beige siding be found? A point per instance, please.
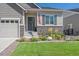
(60, 20)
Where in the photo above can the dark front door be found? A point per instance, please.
(31, 23)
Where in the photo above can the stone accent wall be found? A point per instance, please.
(44, 29)
(21, 30)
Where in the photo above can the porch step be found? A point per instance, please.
(30, 34)
(27, 34)
(35, 34)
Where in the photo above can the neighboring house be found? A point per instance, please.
(71, 20)
(28, 19)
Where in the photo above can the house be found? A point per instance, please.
(71, 20)
(28, 19)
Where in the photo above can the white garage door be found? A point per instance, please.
(9, 28)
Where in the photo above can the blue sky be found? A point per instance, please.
(60, 5)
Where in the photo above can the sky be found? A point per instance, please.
(60, 5)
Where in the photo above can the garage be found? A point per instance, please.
(9, 28)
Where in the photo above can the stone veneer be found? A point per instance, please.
(44, 29)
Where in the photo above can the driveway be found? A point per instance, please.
(5, 42)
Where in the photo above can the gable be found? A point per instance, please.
(6, 10)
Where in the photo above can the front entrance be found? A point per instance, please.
(31, 23)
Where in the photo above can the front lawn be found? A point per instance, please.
(47, 49)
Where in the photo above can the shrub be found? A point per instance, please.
(24, 39)
(21, 39)
(62, 35)
(53, 36)
(34, 39)
(56, 35)
(50, 30)
(76, 40)
(43, 38)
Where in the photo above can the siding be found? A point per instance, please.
(74, 20)
(60, 20)
(8, 11)
(11, 10)
(21, 30)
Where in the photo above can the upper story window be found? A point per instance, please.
(50, 19)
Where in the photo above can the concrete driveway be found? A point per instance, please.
(5, 42)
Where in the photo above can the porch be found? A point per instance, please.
(30, 24)
(35, 21)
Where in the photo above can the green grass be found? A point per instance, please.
(47, 49)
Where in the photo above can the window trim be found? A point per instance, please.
(49, 18)
(7, 21)
(2, 21)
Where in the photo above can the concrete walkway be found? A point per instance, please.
(5, 42)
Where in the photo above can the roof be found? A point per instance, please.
(33, 5)
(67, 13)
(76, 9)
(28, 6)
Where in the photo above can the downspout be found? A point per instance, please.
(23, 20)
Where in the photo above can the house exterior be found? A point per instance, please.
(28, 19)
(71, 20)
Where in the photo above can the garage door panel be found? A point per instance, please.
(9, 30)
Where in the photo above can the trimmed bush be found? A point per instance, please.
(21, 39)
(43, 38)
(34, 39)
(75, 40)
(24, 39)
(57, 36)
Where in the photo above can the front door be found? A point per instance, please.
(31, 23)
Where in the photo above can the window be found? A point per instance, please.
(55, 19)
(2, 21)
(7, 21)
(16, 21)
(12, 21)
(50, 19)
(47, 19)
